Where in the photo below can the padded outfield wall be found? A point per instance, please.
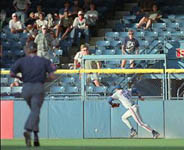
(92, 119)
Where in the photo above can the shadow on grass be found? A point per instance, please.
(90, 148)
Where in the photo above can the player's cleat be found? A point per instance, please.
(155, 134)
(133, 133)
(27, 137)
(36, 143)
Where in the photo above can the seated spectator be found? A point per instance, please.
(50, 20)
(44, 43)
(65, 24)
(55, 41)
(3, 19)
(21, 7)
(80, 27)
(31, 20)
(66, 7)
(75, 8)
(41, 21)
(146, 5)
(130, 46)
(88, 64)
(15, 24)
(150, 18)
(92, 18)
(78, 57)
(39, 11)
(86, 5)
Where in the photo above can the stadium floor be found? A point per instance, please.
(97, 144)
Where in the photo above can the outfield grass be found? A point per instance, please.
(97, 144)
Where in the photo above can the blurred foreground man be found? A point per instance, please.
(35, 71)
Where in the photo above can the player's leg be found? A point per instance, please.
(136, 115)
(124, 118)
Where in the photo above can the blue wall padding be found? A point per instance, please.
(174, 119)
(96, 119)
(21, 112)
(118, 128)
(65, 119)
(152, 114)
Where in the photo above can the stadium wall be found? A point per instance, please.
(92, 119)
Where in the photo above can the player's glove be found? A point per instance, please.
(114, 105)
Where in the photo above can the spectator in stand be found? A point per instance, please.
(41, 21)
(152, 17)
(39, 11)
(21, 7)
(84, 50)
(15, 24)
(44, 43)
(80, 27)
(92, 18)
(146, 5)
(86, 5)
(75, 8)
(3, 19)
(65, 24)
(78, 57)
(31, 21)
(130, 46)
(66, 7)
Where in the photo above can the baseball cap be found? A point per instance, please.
(31, 47)
(14, 14)
(117, 87)
(80, 13)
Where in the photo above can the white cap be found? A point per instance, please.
(80, 13)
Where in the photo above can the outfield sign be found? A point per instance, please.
(179, 53)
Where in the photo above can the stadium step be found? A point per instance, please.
(120, 14)
(102, 31)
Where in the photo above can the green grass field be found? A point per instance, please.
(97, 144)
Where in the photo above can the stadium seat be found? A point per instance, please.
(5, 91)
(159, 27)
(153, 35)
(72, 89)
(16, 91)
(115, 44)
(112, 36)
(105, 44)
(57, 89)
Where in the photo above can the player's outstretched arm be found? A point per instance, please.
(113, 105)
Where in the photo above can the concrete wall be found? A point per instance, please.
(95, 119)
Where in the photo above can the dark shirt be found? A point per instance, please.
(34, 69)
(30, 21)
(131, 45)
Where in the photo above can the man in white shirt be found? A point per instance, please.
(80, 27)
(125, 97)
(21, 7)
(15, 24)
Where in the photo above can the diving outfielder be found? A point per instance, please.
(125, 97)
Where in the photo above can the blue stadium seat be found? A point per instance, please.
(105, 44)
(5, 91)
(153, 35)
(72, 89)
(159, 27)
(57, 90)
(115, 44)
(112, 36)
(16, 91)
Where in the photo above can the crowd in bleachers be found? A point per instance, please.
(53, 27)
(56, 29)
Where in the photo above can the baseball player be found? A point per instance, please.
(125, 97)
